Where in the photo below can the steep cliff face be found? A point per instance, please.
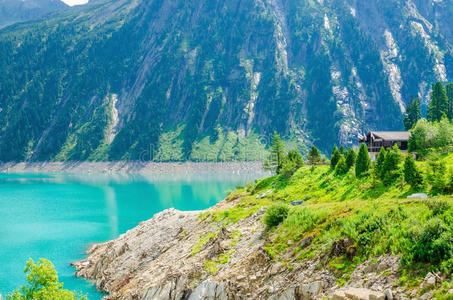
(12, 11)
(171, 80)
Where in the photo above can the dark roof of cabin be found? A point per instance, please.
(388, 135)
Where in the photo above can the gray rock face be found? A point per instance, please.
(175, 256)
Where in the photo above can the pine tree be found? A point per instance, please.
(350, 158)
(412, 175)
(380, 163)
(336, 155)
(413, 114)
(363, 162)
(449, 91)
(390, 169)
(277, 155)
(342, 167)
(342, 150)
(439, 103)
(314, 157)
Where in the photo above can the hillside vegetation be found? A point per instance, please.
(211, 80)
(350, 220)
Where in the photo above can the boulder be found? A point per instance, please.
(429, 281)
(388, 294)
(418, 196)
(311, 290)
(357, 294)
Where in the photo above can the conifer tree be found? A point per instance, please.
(350, 158)
(314, 157)
(341, 167)
(380, 163)
(342, 150)
(449, 91)
(336, 155)
(412, 175)
(363, 162)
(277, 155)
(390, 169)
(439, 103)
(413, 114)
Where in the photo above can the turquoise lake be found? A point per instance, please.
(58, 216)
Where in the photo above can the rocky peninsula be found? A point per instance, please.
(168, 257)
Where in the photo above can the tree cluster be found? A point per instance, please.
(280, 161)
(441, 104)
(342, 160)
(427, 135)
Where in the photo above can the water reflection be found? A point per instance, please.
(57, 216)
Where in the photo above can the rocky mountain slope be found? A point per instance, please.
(12, 11)
(211, 80)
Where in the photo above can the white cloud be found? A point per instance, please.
(75, 2)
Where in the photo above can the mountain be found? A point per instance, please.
(211, 80)
(12, 11)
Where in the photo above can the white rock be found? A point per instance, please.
(388, 294)
(429, 282)
(418, 196)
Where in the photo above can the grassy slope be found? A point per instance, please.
(376, 219)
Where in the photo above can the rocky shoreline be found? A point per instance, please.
(171, 257)
(133, 167)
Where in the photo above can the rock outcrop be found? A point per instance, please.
(183, 255)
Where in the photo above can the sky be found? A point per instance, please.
(75, 2)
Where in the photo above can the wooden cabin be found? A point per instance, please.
(375, 140)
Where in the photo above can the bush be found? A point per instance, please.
(275, 214)
(288, 168)
(433, 244)
(291, 163)
(314, 157)
(437, 206)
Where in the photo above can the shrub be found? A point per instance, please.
(291, 163)
(412, 175)
(433, 244)
(288, 168)
(295, 156)
(303, 219)
(437, 206)
(314, 157)
(275, 214)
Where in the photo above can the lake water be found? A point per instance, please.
(58, 216)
